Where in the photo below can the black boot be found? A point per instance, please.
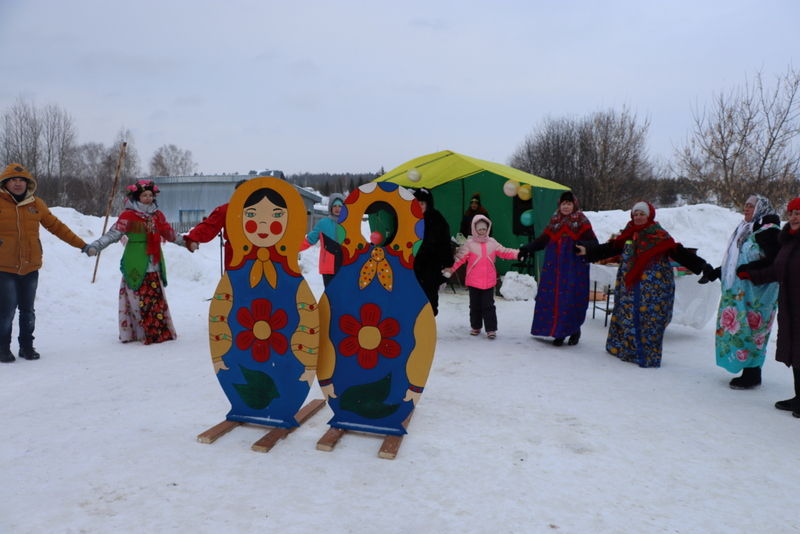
(793, 404)
(28, 353)
(574, 338)
(789, 405)
(751, 377)
(6, 356)
(558, 341)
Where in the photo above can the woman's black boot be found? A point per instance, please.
(751, 377)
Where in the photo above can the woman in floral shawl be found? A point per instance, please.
(143, 311)
(746, 311)
(563, 294)
(645, 287)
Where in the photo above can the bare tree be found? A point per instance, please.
(602, 157)
(20, 135)
(58, 141)
(747, 142)
(169, 160)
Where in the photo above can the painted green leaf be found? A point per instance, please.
(259, 390)
(366, 400)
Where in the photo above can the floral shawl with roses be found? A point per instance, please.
(745, 317)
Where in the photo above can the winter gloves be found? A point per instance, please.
(709, 274)
(89, 250)
(742, 273)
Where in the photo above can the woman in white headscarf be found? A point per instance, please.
(747, 311)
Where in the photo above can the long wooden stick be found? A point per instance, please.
(110, 202)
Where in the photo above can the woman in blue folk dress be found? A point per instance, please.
(747, 311)
(563, 294)
(645, 287)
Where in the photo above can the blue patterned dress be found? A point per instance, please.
(746, 313)
(641, 312)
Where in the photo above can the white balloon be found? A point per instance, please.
(413, 175)
(510, 188)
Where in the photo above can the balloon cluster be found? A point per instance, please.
(512, 188)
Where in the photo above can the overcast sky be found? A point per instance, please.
(350, 86)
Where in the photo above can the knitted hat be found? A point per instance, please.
(567, 196)
(642, 206)
(135, 190)
(423, 195)
(794, 204)
(15, 170)
(476, 197)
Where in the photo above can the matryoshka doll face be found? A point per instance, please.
(264, 223)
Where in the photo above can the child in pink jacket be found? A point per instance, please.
(479, 253)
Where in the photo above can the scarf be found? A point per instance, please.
(650, 241)
(740, 235)
(145, 219)
(572, 225)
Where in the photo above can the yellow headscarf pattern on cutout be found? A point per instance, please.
(289, 244)
(401, 200)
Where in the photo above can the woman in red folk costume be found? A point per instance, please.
(645, 288)
(563, 294)
(143, 311)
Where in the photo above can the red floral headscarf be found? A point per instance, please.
(650, 241)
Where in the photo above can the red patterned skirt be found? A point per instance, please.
(143, 314)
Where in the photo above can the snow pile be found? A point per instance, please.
(518, 286)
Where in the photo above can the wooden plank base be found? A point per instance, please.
(270, 438)
(389, 446)
(215, 432)
(329, 440)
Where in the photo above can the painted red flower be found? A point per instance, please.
(369, 337)
(262, 330)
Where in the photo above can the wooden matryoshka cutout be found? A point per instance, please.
(378, 332)
(263, 319)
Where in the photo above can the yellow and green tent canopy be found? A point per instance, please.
(453, 178)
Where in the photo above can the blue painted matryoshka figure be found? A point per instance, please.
(378, 332)
(263, 319)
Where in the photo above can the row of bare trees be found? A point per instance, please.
(44, 139)
(602, 157)
(747, 141)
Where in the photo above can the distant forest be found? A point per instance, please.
(327, 183)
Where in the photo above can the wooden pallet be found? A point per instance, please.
(269, 439)
(389, 446)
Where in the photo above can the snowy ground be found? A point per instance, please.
(512, 435)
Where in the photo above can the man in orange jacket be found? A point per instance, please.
(21, 213)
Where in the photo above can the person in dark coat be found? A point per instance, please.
(563, 294)
(475, 208)
(786, 271)
(435, 253)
